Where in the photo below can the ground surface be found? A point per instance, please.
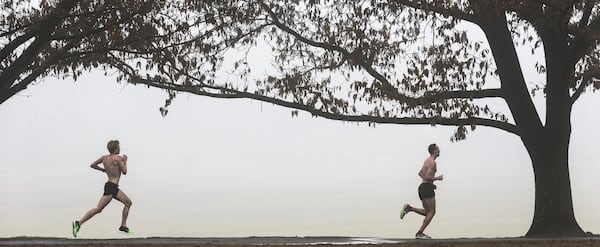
(302, 241)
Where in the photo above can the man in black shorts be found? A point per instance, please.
(426, 191)
(114, 165)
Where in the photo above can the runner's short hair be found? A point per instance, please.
(112, 146)
(431, 148)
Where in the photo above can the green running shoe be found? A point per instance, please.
(76, 227)
(404, 211)
(125, 230)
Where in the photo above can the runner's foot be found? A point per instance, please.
(422, 236)
(125, 230)
(404, 211)
(76, 227)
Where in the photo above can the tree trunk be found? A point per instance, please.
(548, 145)
(553, 215)
(549, 150)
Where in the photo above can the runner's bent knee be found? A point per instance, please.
(431, 212)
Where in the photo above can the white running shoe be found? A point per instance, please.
(422, 236)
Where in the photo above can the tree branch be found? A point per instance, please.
(587, 12)
(227, 93)
(92, 31)
(532, 12)
(355, 56)
(325, 67)
(586, 79)
(42, 26)
(9, 75)
(594, 29)
(35, 73)
(14, 30)
(13, 44)
(426, 6)
(477, 94)
(22, 85)
(42, 33)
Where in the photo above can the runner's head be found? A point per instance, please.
(434, 150)
(113, 147)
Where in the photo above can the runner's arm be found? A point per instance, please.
(123, 165)
(95, 164)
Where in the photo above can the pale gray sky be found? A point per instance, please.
(242, 168)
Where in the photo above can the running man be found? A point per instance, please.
(426, 191)
(114, 165)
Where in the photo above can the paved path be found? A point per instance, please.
(299, 241)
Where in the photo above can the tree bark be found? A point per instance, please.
(553, 213)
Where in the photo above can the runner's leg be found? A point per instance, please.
(429, 205)
(122, 197)
(104, 200)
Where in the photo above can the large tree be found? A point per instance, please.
(400, 62)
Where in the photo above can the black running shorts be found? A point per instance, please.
(111, 189)
(426, 191)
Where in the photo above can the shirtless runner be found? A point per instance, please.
(426, 191)
(114, 165)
